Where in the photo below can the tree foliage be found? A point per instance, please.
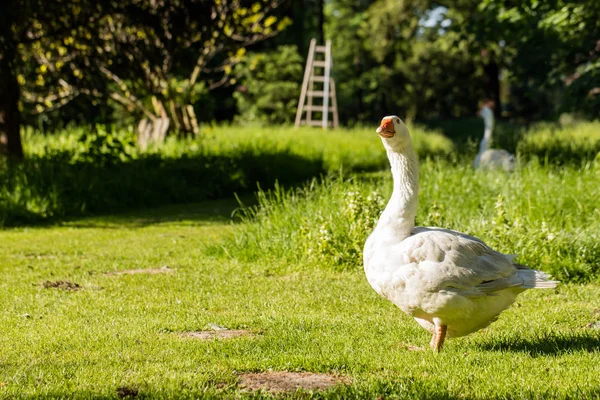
(546, 46)
(25, 22)
(424, 59)
(156, 58)
(388, 61)
(271, 85)
(153, 57)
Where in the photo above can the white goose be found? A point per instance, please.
(491, 158)
(451, 283)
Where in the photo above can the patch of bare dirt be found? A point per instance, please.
(595, 324)
(62, 285)
(219, 334)
(127, 392)
(283, 381)
(411, 347)
(150, 271)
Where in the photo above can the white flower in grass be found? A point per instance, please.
(324, 234)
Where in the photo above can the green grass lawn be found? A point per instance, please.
(289, 271)
(125, 330)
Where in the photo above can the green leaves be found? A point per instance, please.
(269, 85)
(149, 48)
(103, 148)
(566, 30)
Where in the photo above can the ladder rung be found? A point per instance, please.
(318, 84)
(316, 108)
(317, 93)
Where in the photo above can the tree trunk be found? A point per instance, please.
(10, 116)
(298, 25)
(321, 22)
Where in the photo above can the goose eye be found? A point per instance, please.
(397, 120)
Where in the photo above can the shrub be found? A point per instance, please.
(555, 145)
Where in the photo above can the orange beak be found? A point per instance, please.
(386, 129)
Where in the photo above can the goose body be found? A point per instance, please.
(495, 159)
(451, 283)
(491, 158)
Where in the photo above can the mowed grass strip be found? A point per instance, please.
(124, 334)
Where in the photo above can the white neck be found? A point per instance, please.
(488, 119)
(485, 141)
(399, 215)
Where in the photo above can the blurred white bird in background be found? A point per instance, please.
(491, 158)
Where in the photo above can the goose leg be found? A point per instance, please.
(439, 335)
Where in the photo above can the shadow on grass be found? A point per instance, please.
(547, 345)
(201, 213)
(53, 187)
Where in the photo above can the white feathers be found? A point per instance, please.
(434, 274)
(495, 159)
(491, 158)
(534, 279)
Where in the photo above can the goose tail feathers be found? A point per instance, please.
(534, 279)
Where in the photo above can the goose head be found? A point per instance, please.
(394, 134)
(487, 113)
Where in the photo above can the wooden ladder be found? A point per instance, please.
(324, 90)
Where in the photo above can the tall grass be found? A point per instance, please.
(561, 145)
(551, 143)
(80, 172)
(348, 149)
(548, 217)
(351, 149)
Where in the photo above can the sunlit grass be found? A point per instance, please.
(290, 272)
(122, 331)
(578, 143)
(351, 149)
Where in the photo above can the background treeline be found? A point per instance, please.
(437, 59)
(199, 61)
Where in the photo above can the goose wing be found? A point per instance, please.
(453, 261)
